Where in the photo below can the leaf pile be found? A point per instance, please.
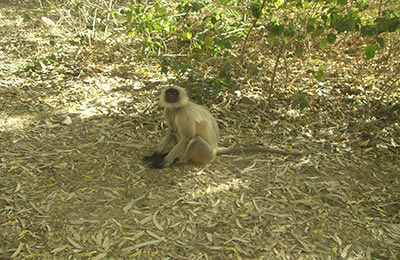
(76, 120)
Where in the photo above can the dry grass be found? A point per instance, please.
(72, 185)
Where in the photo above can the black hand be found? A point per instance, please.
(156, 160)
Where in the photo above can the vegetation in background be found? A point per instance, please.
(187, 36)
(213, 45)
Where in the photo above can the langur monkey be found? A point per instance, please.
(193, 133)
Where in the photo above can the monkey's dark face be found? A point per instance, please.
(171, 95)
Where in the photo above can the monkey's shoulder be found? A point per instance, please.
(195, 112)
(189, 117)
(190, 110)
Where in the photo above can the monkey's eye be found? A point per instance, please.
(172, 92)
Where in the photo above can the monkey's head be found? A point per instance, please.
(173, 97)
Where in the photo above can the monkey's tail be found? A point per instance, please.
(256, 149)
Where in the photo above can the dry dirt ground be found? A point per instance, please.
(72, 184)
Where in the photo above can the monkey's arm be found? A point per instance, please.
(166, 143)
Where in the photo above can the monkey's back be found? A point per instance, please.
(193, 120)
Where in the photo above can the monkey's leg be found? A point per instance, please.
(199, 150)
(175, 153)
(167, 143)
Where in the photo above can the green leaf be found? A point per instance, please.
(302, 4)
(370, 51)
(347, 22)
(275, 28)
(197, 47)
(256, 10)
(227, 44)
(318, 31)
(223, 2)
(197, 6)
(161, 10)
(319, 75)
(186, 36)
(299, 51)
(381, 42)
(331, 38)
(368, 30)
(387, 24)
(300, 100)
(395, 108)
(278, 3)
(323, 44)
(208, 41)
(214, 20)
(312, 20)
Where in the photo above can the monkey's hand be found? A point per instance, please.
(156, 160)
(154, 157)
(157, 164)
